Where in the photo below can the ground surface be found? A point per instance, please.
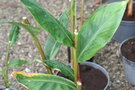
(108, 57)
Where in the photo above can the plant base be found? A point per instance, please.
(94, 77)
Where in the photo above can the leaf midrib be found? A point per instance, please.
(50, 81)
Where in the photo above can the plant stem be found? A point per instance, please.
(74, 62)
(75, 59)
(130, 8)
(73, 27)
(82, 12)
(36, 41)
(6, 66)
(79, 83)
(73, 15)
(38, 45)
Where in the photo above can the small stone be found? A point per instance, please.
(118, 81)
(91, 6)
(19, 43)
(27, 70)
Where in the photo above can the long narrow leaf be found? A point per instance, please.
(14, 33)
(43, 81)
(49, 23)
(64, 69)
(52, 46)
(99, 29)
(32, 30)
(17, 62)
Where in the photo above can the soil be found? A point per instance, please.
(127, 18)
(128, 49)
(92, 79)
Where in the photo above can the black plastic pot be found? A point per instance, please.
(4, 88)
(125, 31)
(129, 65)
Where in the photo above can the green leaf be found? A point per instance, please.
(49, 23)
(13, 35)
(2, 22)
(52, 46)
(64, 18)
(43, 81)
(17, 62)
(64, 69)
(32, 30)
(99, 29)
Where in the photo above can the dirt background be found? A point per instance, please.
(108, 57)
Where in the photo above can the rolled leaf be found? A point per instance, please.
(99, 29)
(14, 33)
(52, 46)
(43, 81)
(64, 18)
(17, 62)
(64, 69)
(49, 23)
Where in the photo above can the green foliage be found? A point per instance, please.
(32, 30)
(64, 69)
(99, 29)
(2, 22)
(94, 35)
(13, 35)
(17, 62)
(44, 82)
(64, 18)
(52, 46)
(49, 23)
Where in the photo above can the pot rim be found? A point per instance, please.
(127, 22)
(121, 50)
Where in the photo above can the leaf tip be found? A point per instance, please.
(13, 74)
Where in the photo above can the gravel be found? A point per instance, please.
(108, 57)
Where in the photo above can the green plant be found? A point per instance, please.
(94, 34)
(13, 36)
